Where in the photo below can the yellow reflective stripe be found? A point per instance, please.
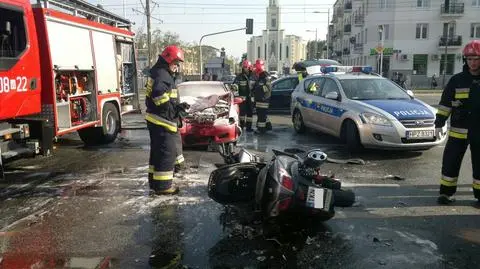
(461, 95)
(457, 135)
(249, 119)
(261, 105)
(148, 87)
(162, 99)
(265, 88)
(173, 93)
(476, 184)
(444, 110)
(462, 90)
(161, 121)
(261, 124)
(243, 83)
(151, 169)
(460, 133)
(180, 159)
(163, 175)
(448, 183)
(300, 77)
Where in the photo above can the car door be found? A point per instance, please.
(311, 89)
(330, 110)
(281, 90)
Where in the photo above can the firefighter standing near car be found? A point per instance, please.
(461, 102)
(162, 117)
(242, 86)
(262, 91)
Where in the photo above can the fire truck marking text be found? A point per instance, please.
(18, 84)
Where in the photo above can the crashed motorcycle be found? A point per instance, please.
(289, 183)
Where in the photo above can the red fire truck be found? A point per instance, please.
(65, 66)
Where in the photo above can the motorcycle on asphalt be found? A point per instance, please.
(289, 183)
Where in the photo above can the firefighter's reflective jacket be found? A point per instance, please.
(161, 97)
(461, 102)
(242, 85)
(262, 89)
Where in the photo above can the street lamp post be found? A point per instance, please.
(328, 23)
(380, 30)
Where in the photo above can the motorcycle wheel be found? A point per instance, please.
(343, 198)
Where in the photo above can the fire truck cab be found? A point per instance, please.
(65, 66)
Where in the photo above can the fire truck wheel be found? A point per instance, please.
(111, 123)
(105, 134)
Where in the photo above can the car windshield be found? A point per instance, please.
(369, 89)
(200, 90)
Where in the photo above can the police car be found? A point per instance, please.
(363, 109)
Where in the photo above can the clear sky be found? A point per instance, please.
(193, 18)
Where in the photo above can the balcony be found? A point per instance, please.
(348, 7)
(347, 29)
(451, 41)
(359, 20)
(456, 9)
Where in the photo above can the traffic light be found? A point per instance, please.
(249, 27)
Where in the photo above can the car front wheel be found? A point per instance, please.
(298, 123)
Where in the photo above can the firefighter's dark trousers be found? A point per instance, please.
(179, 160)
(162, 157)
(263, 123)
(452, 159)
(246, 113)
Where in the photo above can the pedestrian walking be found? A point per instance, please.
(461, 102)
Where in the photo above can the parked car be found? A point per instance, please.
(363, 109)
(213, 114)
(282, 89)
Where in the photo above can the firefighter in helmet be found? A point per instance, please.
(242, 86)
(262, 91)
(461, 102)
(162, 116)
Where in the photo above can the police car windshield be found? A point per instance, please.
(201, 90)
(370, 89)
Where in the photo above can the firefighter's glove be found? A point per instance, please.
(439, 133)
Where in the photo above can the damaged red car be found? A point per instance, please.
(213, 114)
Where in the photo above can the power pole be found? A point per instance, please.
(149, 34)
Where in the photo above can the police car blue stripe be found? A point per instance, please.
(323, 108)
(403, 109)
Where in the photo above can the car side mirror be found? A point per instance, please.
(237, 100)
(333, 96)
(410, 92)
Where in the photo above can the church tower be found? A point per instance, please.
(273, 35)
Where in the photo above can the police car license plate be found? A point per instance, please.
(420, 134)
(315, 197)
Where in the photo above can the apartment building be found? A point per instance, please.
(420, 37)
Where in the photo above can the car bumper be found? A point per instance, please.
(394, 138)
(202, 134)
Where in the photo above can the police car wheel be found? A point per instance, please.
(352, 137)
(297, 120)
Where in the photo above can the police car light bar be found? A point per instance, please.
(347, 69)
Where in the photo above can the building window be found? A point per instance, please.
(366, 36)
(386, 29)
(476, 3)
(383, 3)
(475, 30)
(423, 3)
(274, 23)
(265, 51)
(287, 53)
(258, 52)
(422, 31)
(280, 53)
(450, 64)
(420, 62)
